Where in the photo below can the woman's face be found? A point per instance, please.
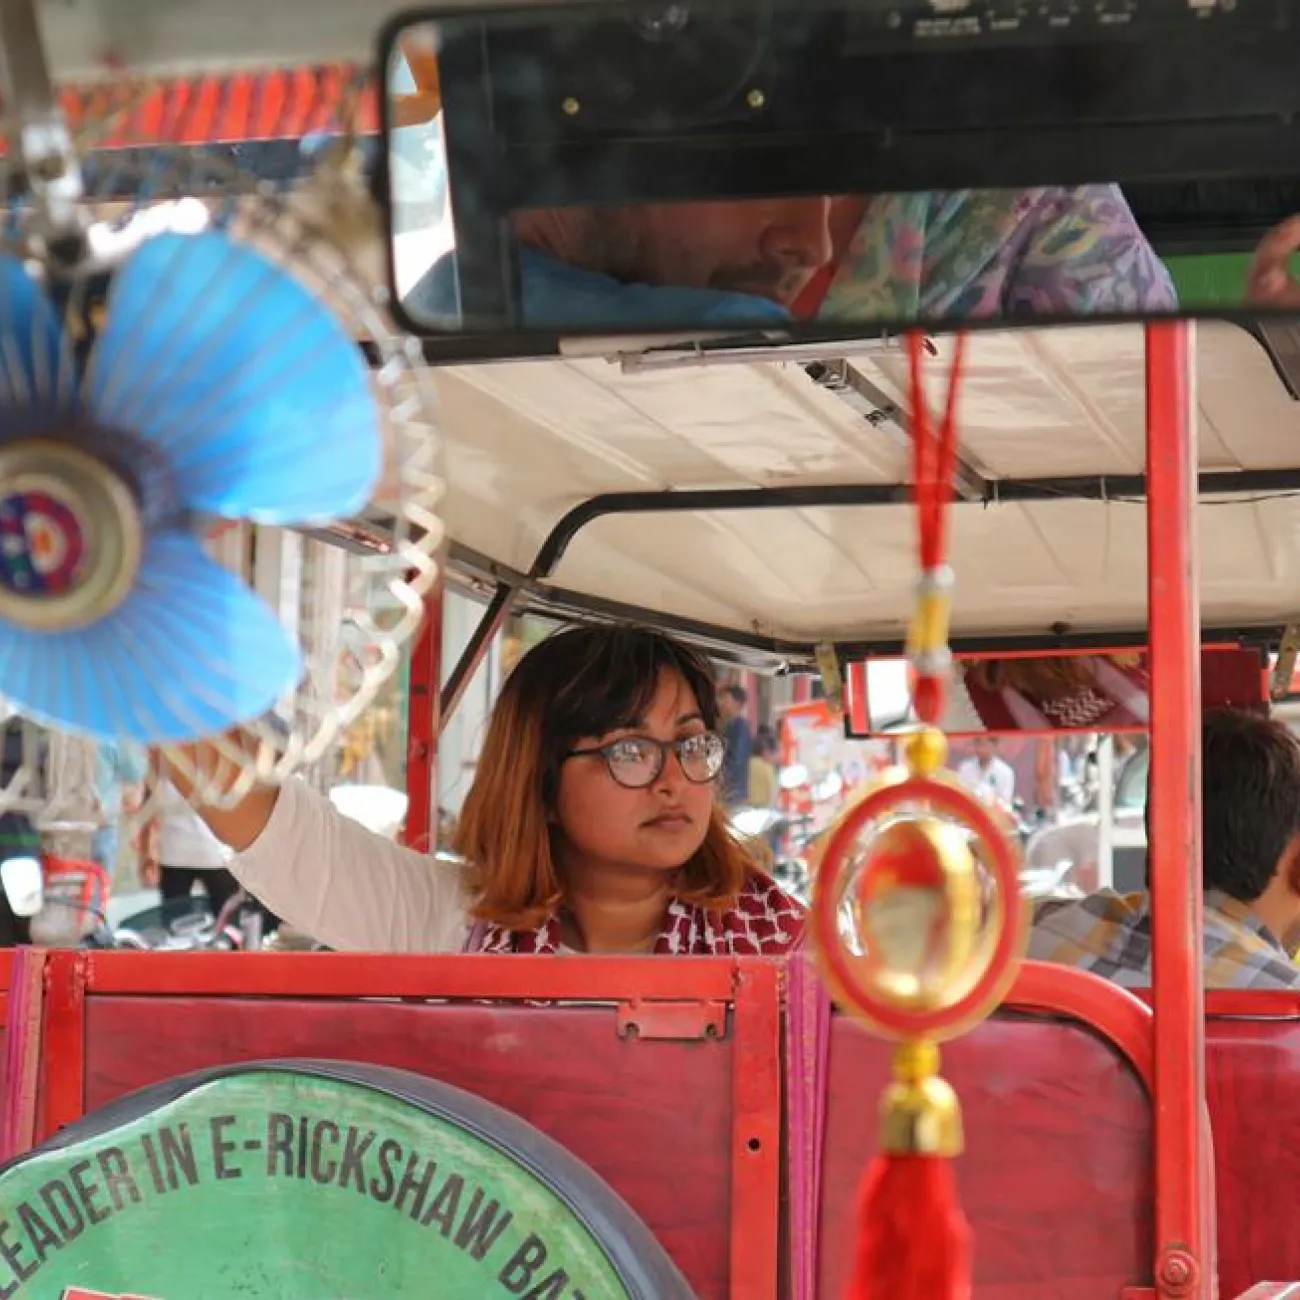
(657, 828)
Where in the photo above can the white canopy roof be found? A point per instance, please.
(528, 442)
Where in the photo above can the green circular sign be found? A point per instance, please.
(316, 1181)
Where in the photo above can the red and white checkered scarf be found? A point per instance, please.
(763, 921)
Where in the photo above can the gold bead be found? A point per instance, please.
(921, 1117)
(930, 623)
(915, 1061)
(926, 751)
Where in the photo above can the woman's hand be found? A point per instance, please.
(150, 871)
(145, 842)
(238, 827)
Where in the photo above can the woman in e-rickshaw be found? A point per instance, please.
(592, 826)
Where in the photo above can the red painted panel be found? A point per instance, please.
(4, 1030)
(360, 975)
(1253, 1091)
(652, 1117)
(1057, 1179)
(1253, 1087)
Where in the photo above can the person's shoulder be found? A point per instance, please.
(1106, 932)
(1275, 973)
(1104, 904)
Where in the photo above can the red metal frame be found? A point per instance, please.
(359, 975)
(756, 1135)
(857, 696)
(422, 726)
(64, 1085)
(1119, 1016)
(24, 1024)
(1243, 1004)
(1185, 1263)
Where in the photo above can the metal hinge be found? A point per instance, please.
(682, 1021)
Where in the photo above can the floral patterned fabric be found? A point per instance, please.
(763, 921)
(977, 253)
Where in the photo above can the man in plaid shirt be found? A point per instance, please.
(1251, 850)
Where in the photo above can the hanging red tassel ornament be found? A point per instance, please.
(928, 882)
(913, 1241)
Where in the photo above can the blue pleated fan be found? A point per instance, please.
(215, 384)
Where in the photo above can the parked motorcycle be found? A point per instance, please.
(177, 925)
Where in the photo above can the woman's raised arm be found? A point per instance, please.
(334, 879)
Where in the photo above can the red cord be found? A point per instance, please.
(913, 1242)
(934, 460)
(935, 453)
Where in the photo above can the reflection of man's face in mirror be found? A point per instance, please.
(766, 247)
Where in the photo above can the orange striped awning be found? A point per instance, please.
(225, 109)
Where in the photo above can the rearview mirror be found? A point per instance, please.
(800, 169)
(1079, 691)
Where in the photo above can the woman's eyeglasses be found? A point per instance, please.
(637, 761)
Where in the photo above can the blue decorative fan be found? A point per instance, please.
(214, 384)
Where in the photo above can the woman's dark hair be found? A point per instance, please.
(579, 683)
(1250, 800)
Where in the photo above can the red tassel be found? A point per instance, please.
(913, 1241)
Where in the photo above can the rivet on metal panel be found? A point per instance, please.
(1177, 1273)
(686, 1021)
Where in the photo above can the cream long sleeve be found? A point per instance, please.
(347, 887)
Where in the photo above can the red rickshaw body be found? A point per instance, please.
(722, 1099)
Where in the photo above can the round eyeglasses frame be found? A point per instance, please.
(714, 753)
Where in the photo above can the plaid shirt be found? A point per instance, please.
(1109, 934)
